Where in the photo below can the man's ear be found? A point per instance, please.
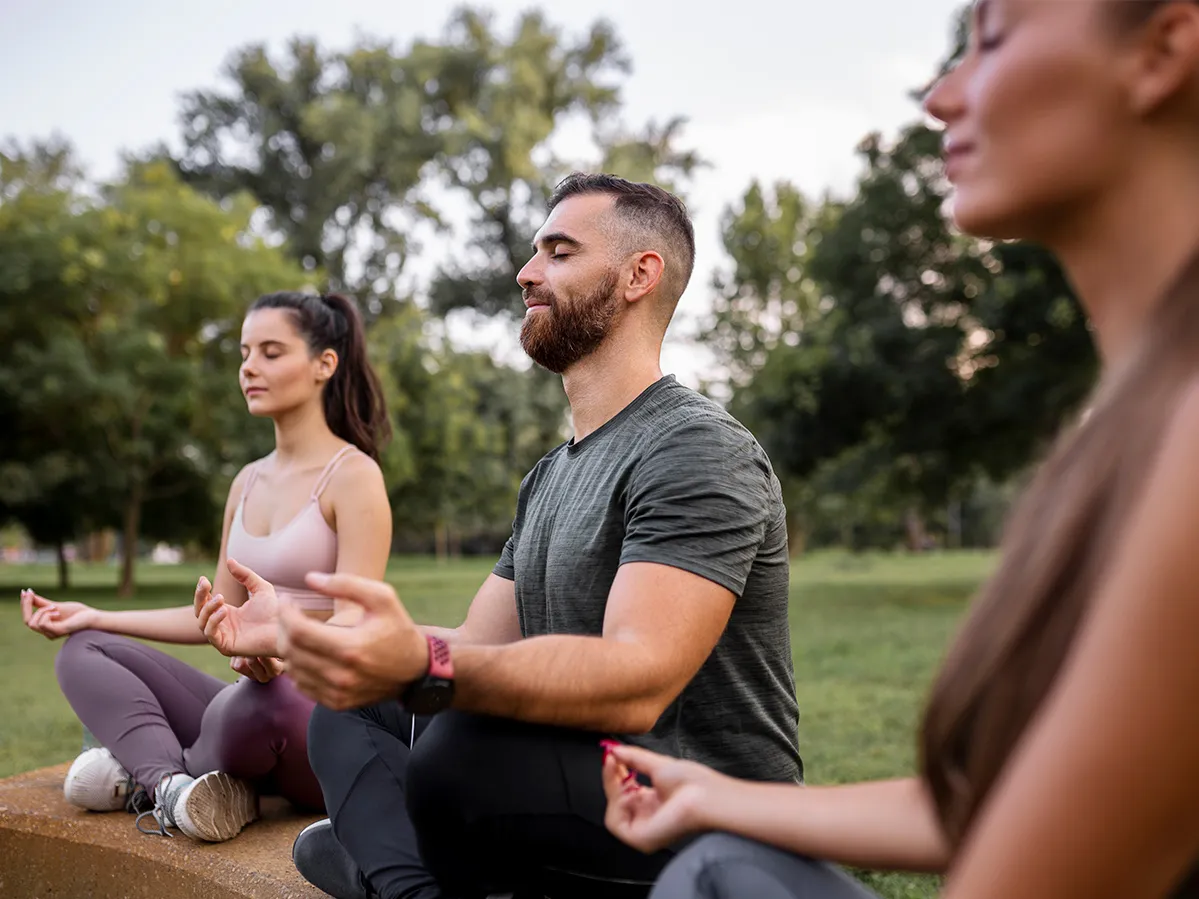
(647, 270)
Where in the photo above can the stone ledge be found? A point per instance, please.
(50, 849)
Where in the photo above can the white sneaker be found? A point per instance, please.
(214, 807)
(97, 782)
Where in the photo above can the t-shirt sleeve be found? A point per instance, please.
(700, 500)
(505, 567)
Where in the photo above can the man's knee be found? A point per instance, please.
(442, 761)
(336, 737)
(326, 738)
(463, 767)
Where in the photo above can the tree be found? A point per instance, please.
(331, 144)
(47, 444)
(128, 383)
(499, 146)
(467, 431)
(934, 359)
(767, 296)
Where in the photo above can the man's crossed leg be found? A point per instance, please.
(479, 806)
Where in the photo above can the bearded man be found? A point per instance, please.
(641, 597)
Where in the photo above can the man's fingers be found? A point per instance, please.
(308, 673)
(371, 595)
(309, 636)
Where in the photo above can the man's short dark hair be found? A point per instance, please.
(645, 212)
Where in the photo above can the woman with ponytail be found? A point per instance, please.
(186, 749)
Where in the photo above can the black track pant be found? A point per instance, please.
(477, 805)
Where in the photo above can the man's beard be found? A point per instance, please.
(563, 333)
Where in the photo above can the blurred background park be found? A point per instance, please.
(161, 167)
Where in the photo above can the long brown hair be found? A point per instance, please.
(353, 399)
(1059, 541)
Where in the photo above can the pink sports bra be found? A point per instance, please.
(306, 543)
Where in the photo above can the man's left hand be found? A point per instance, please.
(349, 667)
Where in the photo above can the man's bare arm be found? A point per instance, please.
(660, 626)
(491, 619)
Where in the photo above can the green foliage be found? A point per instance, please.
(916, 364)
(767, 297)
(467, 430)
(499, 154)
(331, 144)
(117, 369)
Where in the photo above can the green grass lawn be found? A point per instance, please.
(867, 634)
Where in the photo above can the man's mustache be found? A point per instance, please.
(541, 296)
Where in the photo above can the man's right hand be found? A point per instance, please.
(249, 630)
(55, 619)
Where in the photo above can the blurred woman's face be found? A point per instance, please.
(1037, 123)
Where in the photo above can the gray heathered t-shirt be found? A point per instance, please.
(672, 479)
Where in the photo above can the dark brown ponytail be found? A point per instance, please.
(353, 399)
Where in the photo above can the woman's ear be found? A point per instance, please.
(1167, 57)
(326, 365)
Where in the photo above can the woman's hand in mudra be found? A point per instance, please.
(263, 669)
(55, 619)
(249, 630)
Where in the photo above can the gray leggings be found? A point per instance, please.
(158, 715)
(722, 866)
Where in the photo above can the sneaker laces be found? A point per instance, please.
(137, 799)
(163, 811)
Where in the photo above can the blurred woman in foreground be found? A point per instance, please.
(1060, 747)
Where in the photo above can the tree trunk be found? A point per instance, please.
(913, 525)
(440, 541)
(64, 573)
(797, 537)
(131, 526)
(953, 517)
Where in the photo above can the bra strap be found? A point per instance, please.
(330, 469)
(252, 477)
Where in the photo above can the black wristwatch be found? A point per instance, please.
(435, 690)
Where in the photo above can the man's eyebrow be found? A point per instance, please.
(556, 237)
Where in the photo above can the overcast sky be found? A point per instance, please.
(772, 90)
